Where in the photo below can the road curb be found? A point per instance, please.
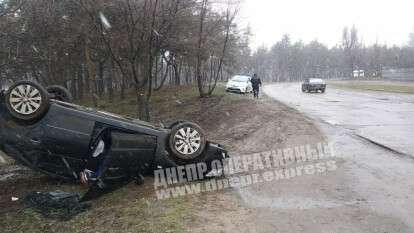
(384, 146)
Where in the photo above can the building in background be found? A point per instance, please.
(359, 74)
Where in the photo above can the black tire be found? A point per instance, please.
(27, 101)
(180, 142)
(59, 93)
(323, 90)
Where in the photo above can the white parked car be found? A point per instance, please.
(240, 84)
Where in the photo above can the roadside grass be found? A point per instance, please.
(129, 209)
(375, 85)
(132, 208)
(166, 105)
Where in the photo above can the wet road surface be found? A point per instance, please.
(384, 118)
(373, 188)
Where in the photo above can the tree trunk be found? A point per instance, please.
(199, 74)
(91, 69)
(80, 83)
(123, 86)
(110, 84)
(142, 106)
(100, 82)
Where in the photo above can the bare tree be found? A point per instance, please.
(411, 40)
(213, 27)
(351, 46)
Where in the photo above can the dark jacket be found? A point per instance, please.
(256, 82)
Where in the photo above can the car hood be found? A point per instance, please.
(237, 84)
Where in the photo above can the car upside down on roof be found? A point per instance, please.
(41, 129)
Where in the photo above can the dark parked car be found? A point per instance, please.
(42, 131)
(314, 85)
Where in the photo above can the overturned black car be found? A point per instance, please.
(42, 130)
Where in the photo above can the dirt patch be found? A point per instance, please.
(240, 123)
(247, 126)
(250, 126)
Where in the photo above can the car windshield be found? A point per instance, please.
(316, 81)
(240, 79)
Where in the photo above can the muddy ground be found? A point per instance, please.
(256, 126)
(240, 123)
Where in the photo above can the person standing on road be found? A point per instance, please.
(256, 83)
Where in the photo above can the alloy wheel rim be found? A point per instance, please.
(25, 99)
(187, 141)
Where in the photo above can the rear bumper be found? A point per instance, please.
(315, 87)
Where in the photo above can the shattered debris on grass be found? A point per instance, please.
(57, 205)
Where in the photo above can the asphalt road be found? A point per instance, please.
(373, 189)
(384, 118)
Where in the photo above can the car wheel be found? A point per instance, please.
(187, 141)
(27, 101)
(59, 93)
(323, 90)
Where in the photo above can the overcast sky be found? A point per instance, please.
(388, 21)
